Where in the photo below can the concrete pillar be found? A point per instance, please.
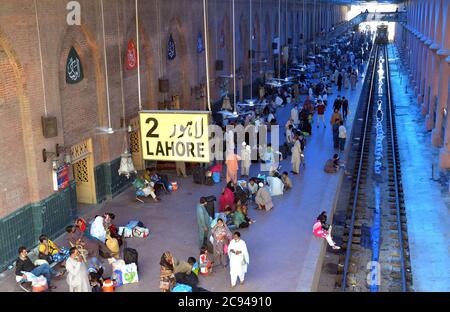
(423, 54)
(444, 154)
(442, 97)
(433, 89)
(429, 26)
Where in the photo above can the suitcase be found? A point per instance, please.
(130, 255)
(210, 205)
(199, 175)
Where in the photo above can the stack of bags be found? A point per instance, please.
(134, 228)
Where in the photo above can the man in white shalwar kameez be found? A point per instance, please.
(78, 277)
(246, 159)
(294, 115)
(239, 259)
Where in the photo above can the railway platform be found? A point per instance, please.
(426, 200)
(293, 265)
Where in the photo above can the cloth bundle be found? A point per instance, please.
(134, 228)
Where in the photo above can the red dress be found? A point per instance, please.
(227, 198)
(318, 231)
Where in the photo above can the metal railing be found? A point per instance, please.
(361, 18)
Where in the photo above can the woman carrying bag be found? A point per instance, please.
(221, 236)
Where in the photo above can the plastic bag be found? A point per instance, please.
(39, 284)
(132, 223)
(125, 231)
(117, 278)
(140, 232)
(129, 273)
(182, 288)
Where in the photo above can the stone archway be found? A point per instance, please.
(244, 47)
(15, 130)
(177, 70)
(92, 89)
(268, 38)
(228, 43)
(256, 45)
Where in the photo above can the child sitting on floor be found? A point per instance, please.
(205, 263)
(286, 181)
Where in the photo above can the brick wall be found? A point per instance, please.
(79, 108)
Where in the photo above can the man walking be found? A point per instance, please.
(296, 156)
(344, 108)
(245, 159)
(239, 259)
(294, 115)
(337, 103)
(320, 113)
(336, 133)
(202, 221)
(339, 82)
(342, 136)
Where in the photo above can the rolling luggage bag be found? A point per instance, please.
(130, 255)
(199, 175)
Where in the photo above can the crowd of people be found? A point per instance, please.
(218, 232)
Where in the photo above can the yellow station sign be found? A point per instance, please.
(175, 135)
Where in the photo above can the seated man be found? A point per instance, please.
(86, 246)
(158, 181)
(276, 186)
(253, 188)
(286, 181)
(24, 265)
(50, 252)
(263, 198)
(332, 165)
(100, 225)
(145, 188)
(183, 272)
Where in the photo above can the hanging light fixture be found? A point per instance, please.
(126, 161)
(126, 164)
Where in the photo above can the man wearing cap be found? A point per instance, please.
(263, 198)
(245, 159)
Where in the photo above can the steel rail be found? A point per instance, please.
(358, 178)
(397, 201)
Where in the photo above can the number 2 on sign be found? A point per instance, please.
(150, 133)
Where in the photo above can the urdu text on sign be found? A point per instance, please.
(180, 136)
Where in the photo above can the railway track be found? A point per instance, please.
(375, 238)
